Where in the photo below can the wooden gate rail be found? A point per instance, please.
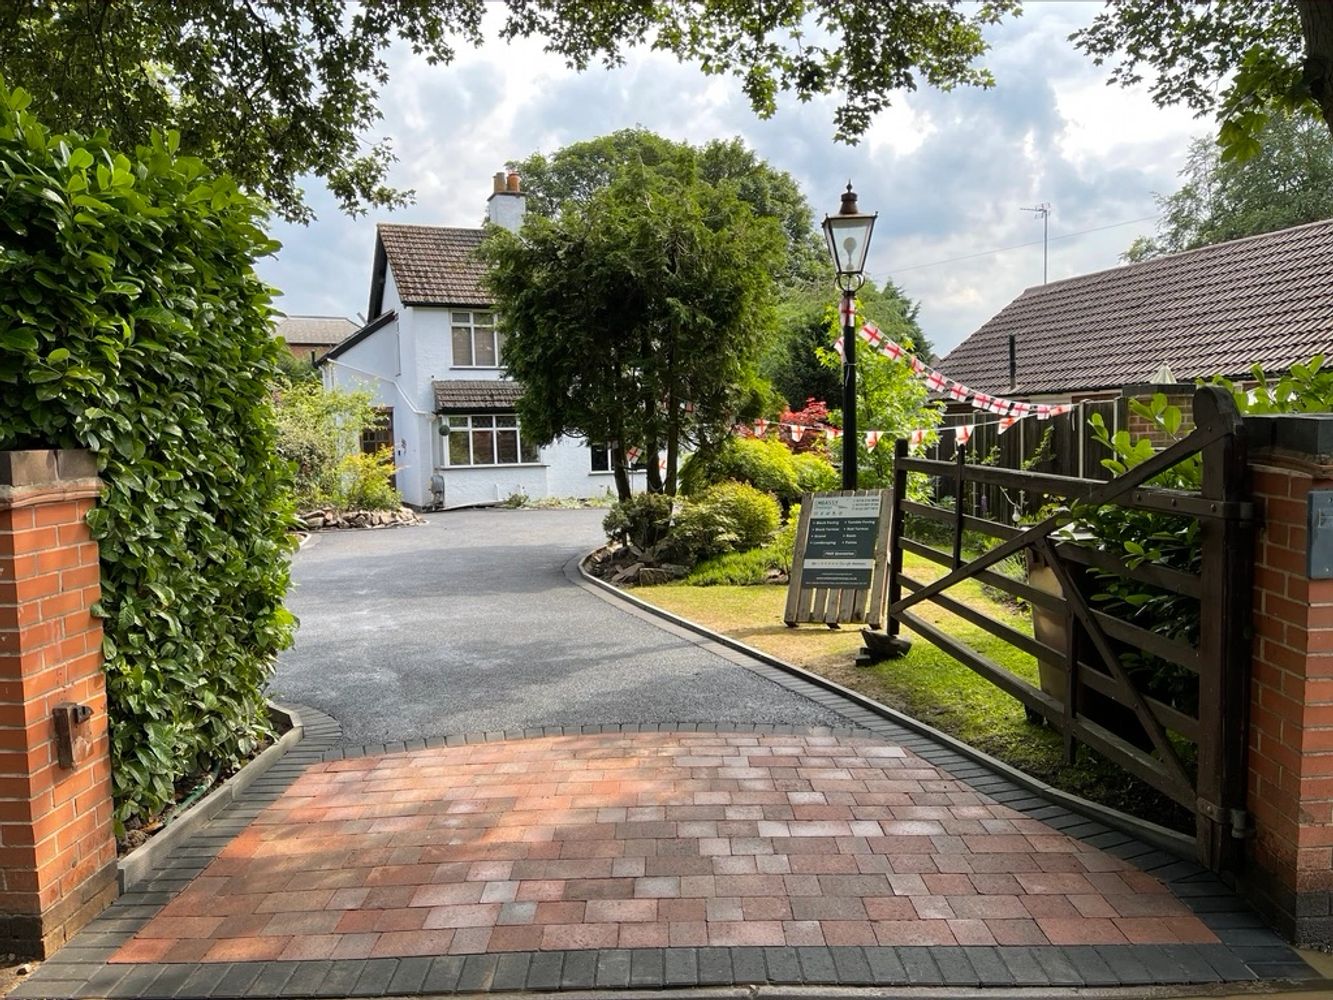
(1090, 660)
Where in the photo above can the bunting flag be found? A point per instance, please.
(917, 438)
(872, 439)
(963, 434)
(760, 427)
(797, 432)
(837, 346)
(661, 465)
(832, 433)
(847, 310)
(1009, 410)
(632, 455)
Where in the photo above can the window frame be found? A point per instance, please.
(472, 424)
(473, 329)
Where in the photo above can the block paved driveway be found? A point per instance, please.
(609, 824)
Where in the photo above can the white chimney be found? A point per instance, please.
(507, 202)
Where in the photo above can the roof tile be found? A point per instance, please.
(435, 265)
(475, 395)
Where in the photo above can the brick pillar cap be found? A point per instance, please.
(24, 471)
(1307, 435)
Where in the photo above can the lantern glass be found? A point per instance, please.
(848, 239)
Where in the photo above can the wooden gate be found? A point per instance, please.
(1191, 748)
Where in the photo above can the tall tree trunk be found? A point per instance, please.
(653, 471)
(673, 421)
(624, 490)
(1317, 27)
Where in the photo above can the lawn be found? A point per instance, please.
(927, 684)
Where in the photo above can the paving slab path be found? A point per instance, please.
(633, 808)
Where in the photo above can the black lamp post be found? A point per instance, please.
(848, 235)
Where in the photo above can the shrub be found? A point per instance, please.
(642, 521)
(318, 429)
(754, 513)
(814, 473)
(132, 323)
(765, 465)
(745, 569)
(366, 481)
(698, 530)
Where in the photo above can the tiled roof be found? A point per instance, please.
(1215, 310)
(475, 395)
(435, 265)
(314, 329)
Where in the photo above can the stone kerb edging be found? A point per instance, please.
(1150, 833)
(139, 864)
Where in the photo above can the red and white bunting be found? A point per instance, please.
(918, 366)
(872, 439)
(871, 335)
(797, 432)
(917, 437)
(1000, 406)
(1061, 409)
(959, 391)
(632, 455)
(963, 434)
(1005, 424)
(837, 346)
(832, 433)
(936, 381)
(847, 310)
(661, 465)
(760, 427)
(980, 401)
(1043, 412)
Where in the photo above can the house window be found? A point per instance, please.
(488, 440)
(601, 459)
(477, 343)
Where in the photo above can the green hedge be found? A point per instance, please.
(132, 323)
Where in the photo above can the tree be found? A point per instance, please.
(808, 325)
(1276, 56)
(1289, 183)
(577, 172)
(272, 90)
(635, 316)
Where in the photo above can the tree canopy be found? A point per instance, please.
(1242, 60)
(1289, 183)
(271, 90)
(635, 316)
(578, 172)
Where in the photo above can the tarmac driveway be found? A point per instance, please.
(469, 624)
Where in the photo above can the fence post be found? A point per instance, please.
(895, 589)
(1224, 645)
(57, 848)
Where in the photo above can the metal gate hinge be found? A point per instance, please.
(1237, 821)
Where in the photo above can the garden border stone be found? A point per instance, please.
(140, 863)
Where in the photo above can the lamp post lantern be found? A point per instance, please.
(848, 236)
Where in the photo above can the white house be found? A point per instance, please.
(431, 356)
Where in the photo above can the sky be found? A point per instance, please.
(950, 174)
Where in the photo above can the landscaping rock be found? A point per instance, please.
(327, 519)
(676, 570)
(650, 575)
(628, 575)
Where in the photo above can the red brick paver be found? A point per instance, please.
(644, 841)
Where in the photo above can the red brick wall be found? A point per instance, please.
(57, 847)
(1140, 426)
(1291, 720)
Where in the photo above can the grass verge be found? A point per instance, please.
(927, 684)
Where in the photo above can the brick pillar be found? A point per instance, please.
(1290, 865)
(57, 847)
